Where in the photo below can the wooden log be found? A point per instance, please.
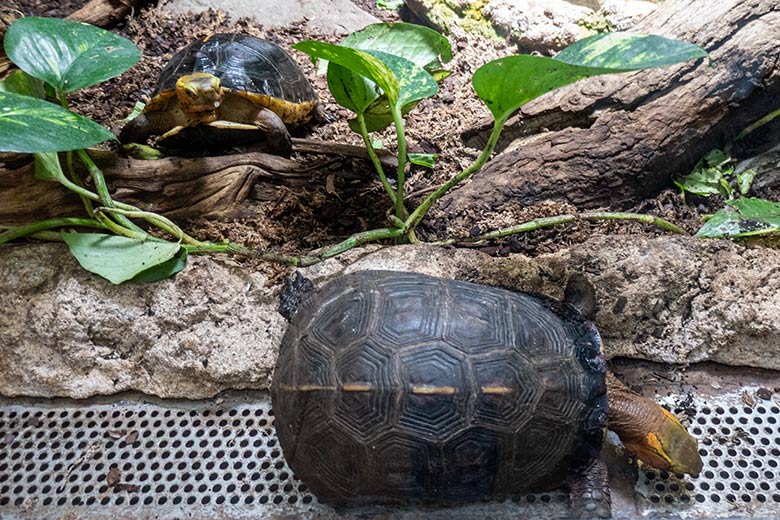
(174, 186)
(612, 141)
(104, 13)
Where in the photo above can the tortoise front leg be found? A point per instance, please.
(147, 124)
(278, 139)
(589, 492)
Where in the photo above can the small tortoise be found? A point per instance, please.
(398, 387)
(226, 90)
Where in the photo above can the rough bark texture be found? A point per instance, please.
(178, 187)
(614, 140)
(67, 332)
(103, 12)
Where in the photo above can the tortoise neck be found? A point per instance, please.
(631, 416)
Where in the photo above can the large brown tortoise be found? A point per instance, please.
(397, 387)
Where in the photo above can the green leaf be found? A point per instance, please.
(30, 125)
(422, 45)
(356, 61)
(389, 4)
(745, 180)
(427, 160)
(351, 90)
(48, 167)
(702, 182)
(19, 82)
(508, 83)
(68, 55)
(708, 177)
(116, 258)
(163, 270)
(742, 218)
(626, 51)
(414, 85)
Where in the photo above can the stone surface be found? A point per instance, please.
(534, 25)
(331, 17)
(66, 332)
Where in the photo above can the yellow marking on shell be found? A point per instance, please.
(500, 390)
(434, 390)
(289, 112)
(357, 387)
(306, 388)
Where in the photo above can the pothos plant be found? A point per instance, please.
(380, 74)
(385, 70)
(716, 174)
(58, 57)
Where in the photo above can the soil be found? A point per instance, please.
(302, 219)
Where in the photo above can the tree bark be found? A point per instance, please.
(103, 13)
(612, 141)
(177, 187)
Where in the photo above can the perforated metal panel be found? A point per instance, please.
(139, 458)
(740, 447)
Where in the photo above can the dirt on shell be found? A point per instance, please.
(301, 219)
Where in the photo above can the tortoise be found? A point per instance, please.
(399, 388)
(226, 90)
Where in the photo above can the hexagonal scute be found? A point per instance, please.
(435, 390)
(508, 390)
(477, 319)
(315, 366)
(538, 331)
(472, 461)
(403, 467)
(565, 393)
(345, 319)
(542, 454)
(330, 461)
(411, 311)
(365, 404)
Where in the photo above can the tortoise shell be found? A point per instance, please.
(395, 387)
(247, 66)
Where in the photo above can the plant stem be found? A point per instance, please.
(539, 223)
(636, 217)
(157, 220)
(400, 210)
(419, 213)
(86, 201)
(121, 230)
(361, 119)
(102, 191)
(353, 241)
(43, 225)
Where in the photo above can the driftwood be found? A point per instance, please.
(612, 141)
(104, 13)
(177, 187)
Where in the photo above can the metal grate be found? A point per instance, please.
(141, 458)
(740, 447)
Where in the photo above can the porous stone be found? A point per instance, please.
(534, 25)
(67, 332)
(215, 326)
(331, 17)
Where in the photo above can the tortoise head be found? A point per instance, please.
(199, 92)
(650, 432)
